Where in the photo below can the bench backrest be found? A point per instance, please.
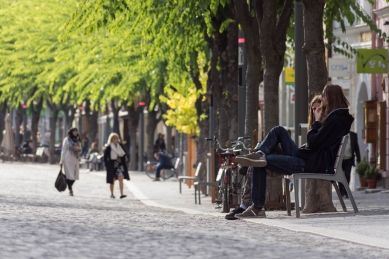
(219, 174)
(39, 151)
(339, 156)
(177, 163)
(198, 169)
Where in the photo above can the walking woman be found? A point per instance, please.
(115, 158)
(71, 151)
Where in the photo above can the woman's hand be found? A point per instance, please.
(61, 164)
(76, 148)
(126, 159)
(318, 113)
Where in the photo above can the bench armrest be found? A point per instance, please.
(187, 177)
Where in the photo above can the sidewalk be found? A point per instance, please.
(369, 227)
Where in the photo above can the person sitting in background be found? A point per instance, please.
(93, 157)
(164, 162)
(351, 151)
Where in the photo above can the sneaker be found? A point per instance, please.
(252, 159)
(251, 212)
(231, 215)
(123, 196)
(156, 180)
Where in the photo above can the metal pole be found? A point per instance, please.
(141, 139)
(241, 86)
(301, 82)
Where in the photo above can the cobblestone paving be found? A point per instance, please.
(38, 222)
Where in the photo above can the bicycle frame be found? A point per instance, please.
(230, 185)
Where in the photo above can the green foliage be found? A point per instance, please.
(362, 167)
(350, 11)
(372, 173)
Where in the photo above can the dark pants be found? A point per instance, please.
(70, 184)
(286, 164)
(346, 165)
(160, 167)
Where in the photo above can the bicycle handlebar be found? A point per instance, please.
(234, 143)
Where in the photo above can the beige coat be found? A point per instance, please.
(70, 162)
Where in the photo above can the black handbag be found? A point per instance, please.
(60, 182)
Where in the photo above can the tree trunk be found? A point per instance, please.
(93, 126)
(168, 140)
(133, 122)
(19, 120)
(3, 110)
(202, 107)
(115, 110)
(35, 115)
(272, 35)
(229, 66)
(68, 111)
(54, 109)
(318, 193)
(254, 72)
(152, 122)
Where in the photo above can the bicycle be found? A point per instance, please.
(150, 169)
(230, 184)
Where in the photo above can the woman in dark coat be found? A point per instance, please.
(115, 158)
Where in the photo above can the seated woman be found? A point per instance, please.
(92, 157)
(332, 122)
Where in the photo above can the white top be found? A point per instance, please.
(347, 152)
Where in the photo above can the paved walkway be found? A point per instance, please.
(369, 227)
(38, 222)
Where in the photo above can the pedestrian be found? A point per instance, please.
(160, 142)
(332, 122)
(351, 151)
(92, 157)
(70, 155)
(164, 162)
(85, 147)
(115, 158)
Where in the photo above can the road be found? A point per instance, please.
(36, 221)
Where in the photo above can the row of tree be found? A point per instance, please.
(174, 55)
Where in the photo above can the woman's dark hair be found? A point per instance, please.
(335, 99)
(70, 134)
(311, 116)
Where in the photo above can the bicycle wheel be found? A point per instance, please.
(150, 169)
(167, 173)
(226, 192)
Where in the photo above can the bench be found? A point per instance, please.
(212, 184)
(195, 178)
(334, 178)
(173, 171)
(35, 157)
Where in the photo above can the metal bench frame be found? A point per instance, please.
(194, 178)
(334, 178)
(211, 184)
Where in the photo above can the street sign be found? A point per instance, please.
(372, 61)
(338, 67)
